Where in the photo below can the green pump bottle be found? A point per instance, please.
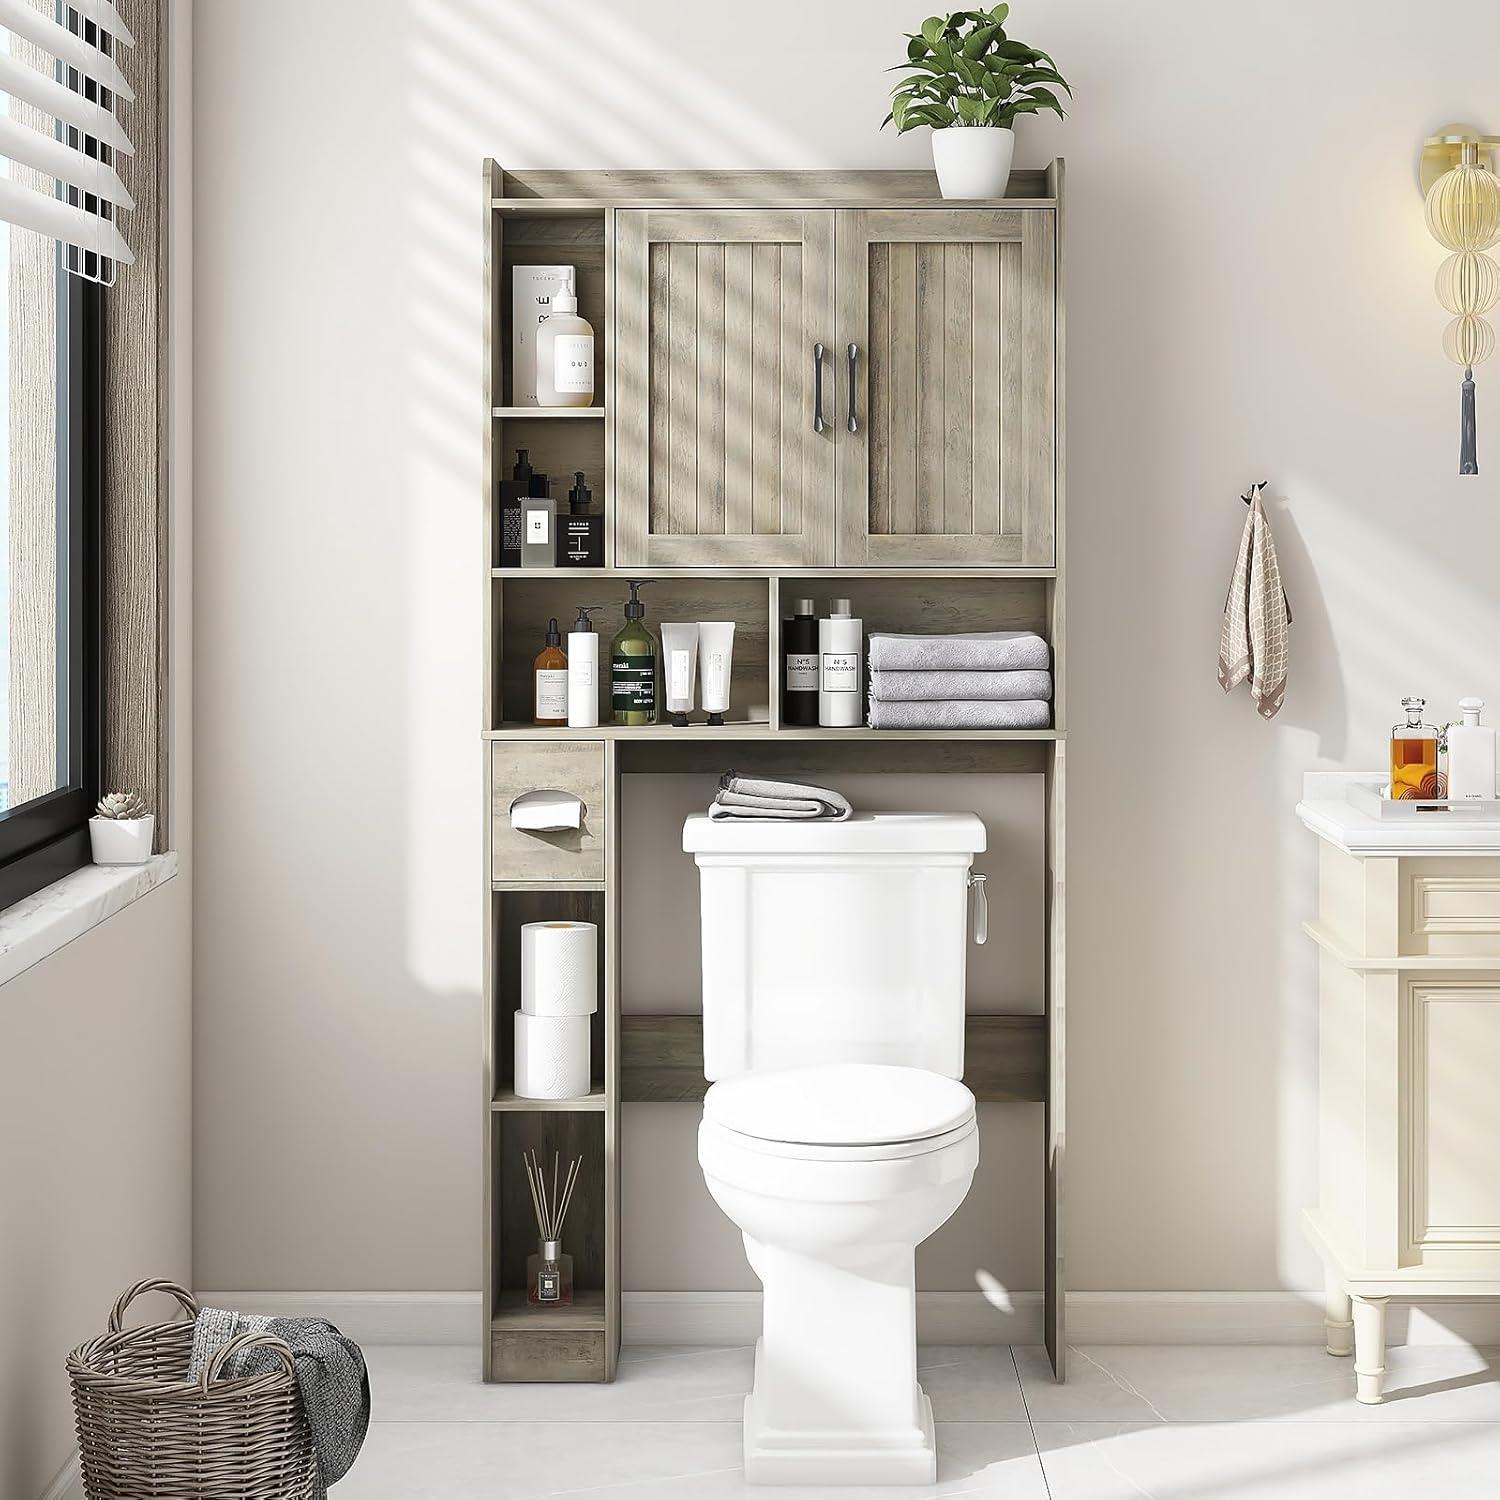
(633, 658)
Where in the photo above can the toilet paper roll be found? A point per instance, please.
(552, 1056)
(559, 968)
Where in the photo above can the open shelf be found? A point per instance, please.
(757, 730)
(506, 1100)
(547, 413)
(513, 1311)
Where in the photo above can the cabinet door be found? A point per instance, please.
(950, 458)
(716, 459)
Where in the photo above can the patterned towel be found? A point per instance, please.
(1253, 639)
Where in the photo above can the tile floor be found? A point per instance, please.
(1169, 1423)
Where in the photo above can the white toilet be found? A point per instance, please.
(836, 1135)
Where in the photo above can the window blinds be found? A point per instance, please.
(59, 138)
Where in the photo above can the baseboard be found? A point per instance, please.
(370, 1317)
(69, 1482)
(942, 1317)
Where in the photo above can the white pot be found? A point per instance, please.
(973, 161)
(122, 841)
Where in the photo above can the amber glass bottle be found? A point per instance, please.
(1414, 756)
(551, 669)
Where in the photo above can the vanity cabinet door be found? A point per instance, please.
(717, 462)
(950, 461)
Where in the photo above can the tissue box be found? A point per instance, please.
(531, 296)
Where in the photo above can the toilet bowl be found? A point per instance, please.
(834, 1173)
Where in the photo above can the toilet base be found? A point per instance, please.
(906, 1455)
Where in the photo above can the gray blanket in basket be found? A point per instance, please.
(330, 1374)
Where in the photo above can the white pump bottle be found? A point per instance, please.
(1471, 755)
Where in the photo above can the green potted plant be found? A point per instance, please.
(968, 81)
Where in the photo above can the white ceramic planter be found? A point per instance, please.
(122, 841)
(973, 161)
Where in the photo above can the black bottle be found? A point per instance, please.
(580, 537)
(799, 665)
(523, 481)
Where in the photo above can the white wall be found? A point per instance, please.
(1249, 296)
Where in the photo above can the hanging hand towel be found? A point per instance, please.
(1253, 639)
(754, 797)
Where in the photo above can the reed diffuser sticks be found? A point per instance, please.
(550, 1205)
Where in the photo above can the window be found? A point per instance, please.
(49, 618)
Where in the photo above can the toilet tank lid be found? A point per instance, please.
(864, 833)
(839, 1104)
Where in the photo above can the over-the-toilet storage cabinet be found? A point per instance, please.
(1409, 1080)
(736, 330)
(806, 384)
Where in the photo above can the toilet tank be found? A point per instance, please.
(834, 942)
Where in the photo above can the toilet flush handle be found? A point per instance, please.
(981, 907)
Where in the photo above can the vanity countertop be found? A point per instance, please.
(1326, 809)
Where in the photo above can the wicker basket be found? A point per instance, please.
(146, 1432)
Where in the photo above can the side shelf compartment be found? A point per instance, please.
(572, 766)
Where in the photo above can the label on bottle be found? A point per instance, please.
(573, 363)
(552, 693)
(840, 672)
(549, 1286)
(537, 527)
(679, 676)
(802, 671)
(510, 529)
(578, 540)
(582, 668)
(633, 684)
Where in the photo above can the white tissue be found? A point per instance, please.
(559, 968)
(552, 1056)
(546, 812)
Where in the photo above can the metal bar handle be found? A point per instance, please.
(853, 361)
(819, 425)
(981, 909)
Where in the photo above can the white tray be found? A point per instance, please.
(1370, 797)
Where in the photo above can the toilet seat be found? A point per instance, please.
(841, 1111)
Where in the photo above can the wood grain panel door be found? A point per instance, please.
(716, 457)
(950, 460)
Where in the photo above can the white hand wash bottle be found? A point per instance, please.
(564, 354)
(1471, 755)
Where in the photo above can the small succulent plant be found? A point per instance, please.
(121, 805)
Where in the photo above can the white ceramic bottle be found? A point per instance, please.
(583, 672)
(1471, 755)
(564, 354)
(841, 640)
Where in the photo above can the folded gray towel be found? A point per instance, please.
(753, 797)
(963, 713)
(331, 1376)
(982, 651)
(913, 687)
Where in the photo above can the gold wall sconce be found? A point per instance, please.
(1462, 195)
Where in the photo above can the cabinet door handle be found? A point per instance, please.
(819, 425)
(853, 361)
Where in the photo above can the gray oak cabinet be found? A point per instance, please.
(850, 387)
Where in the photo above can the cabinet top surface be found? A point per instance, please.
(1327, 811)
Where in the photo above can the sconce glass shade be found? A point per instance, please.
(1463, 208)
(1468, 282)
(1468, 340)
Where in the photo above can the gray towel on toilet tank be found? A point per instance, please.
(331, 1376)
(949, 713)
(981, 651)
(911, 687)
(754, 797)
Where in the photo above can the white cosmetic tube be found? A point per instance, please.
(716, 651)
(679, 654)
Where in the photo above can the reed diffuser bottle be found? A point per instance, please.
(549, 1270)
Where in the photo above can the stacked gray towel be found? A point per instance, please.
(756, 797)
(997, 679)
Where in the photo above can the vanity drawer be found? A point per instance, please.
(1451, 907)
(573, 766)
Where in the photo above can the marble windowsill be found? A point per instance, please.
(42, 923)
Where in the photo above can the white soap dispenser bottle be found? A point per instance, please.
(1471, 755)
(841, 678)
(564, 354)
(583, 672)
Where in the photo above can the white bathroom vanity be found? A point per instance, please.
(1408, 929)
